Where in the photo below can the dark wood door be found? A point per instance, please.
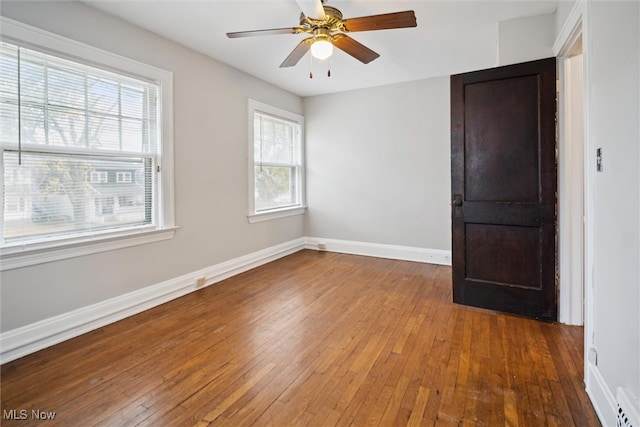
(503, 182)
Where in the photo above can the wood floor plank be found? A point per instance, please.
(314, 338)
(417, 412)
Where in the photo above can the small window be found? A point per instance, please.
(123, 177)
(276, 181)
(99, 177)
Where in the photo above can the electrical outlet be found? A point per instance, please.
(200, 281)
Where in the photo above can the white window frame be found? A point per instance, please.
(253, 216)
(47, 250)
(124, 177)
(99, 177)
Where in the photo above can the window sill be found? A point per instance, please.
(274, 214)
(12, 257)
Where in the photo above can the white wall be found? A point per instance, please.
(612, 43)
(526, 39)
(210, 142)
(378, 165)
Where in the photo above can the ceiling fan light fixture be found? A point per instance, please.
(326, 28)
(321, 49)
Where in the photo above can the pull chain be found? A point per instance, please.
(311, 66)
(19, 115)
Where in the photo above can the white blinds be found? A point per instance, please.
(79, 147)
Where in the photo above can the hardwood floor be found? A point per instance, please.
(316, 339)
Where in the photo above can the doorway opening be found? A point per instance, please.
(571, 211)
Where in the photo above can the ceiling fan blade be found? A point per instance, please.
(270, 32)
(385, 21)
(312, 9)
(297, 53)
(354, 48)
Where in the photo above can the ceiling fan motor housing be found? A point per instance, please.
(322, 34)
(332, 20)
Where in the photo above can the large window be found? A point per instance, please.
(276, 181)
(81, 148)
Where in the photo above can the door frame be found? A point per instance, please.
(571, 188)
(576, 27)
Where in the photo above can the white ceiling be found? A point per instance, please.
(451, 37)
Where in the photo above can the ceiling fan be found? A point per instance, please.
(327, 28)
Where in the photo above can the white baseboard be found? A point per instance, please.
(405, 253)
(603, 400)
(37, 336)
